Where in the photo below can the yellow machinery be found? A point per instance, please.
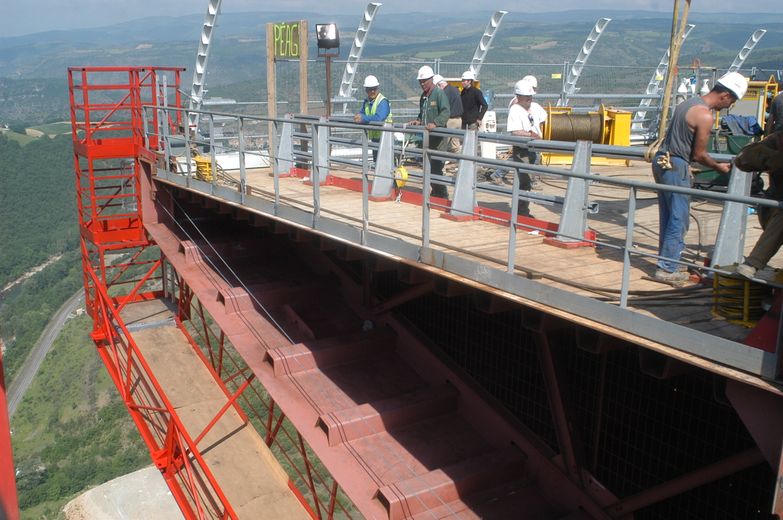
(204, 168)
(757, 100)
(738, 300)
(606, 126)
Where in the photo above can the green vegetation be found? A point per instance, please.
(27, 308)
(16, 137)
(37, 203)
(71, 430)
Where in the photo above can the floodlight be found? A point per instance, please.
(327, 35)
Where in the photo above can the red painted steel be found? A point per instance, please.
(9, 507)
(108, 133)
(270, 420)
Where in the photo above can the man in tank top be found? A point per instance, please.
(686, 142)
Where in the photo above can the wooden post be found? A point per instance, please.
(271, 80)
(303, 57)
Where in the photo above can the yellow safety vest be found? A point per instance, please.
(369, 110)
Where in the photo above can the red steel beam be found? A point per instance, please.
(9, 506)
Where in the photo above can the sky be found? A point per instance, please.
(31, 16)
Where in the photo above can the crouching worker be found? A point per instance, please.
(765, 156)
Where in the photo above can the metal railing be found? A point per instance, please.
(312, 148)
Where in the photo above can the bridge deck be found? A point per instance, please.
(594, 272)
(580, 275)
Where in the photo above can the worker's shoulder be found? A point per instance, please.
(698, 114)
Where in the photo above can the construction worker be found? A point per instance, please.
(765, 156)
(433, 113)
(775, 120)
(375, 108)
(474, 106)
(521, 123)
(539, 113)
(686, 142)
(455, 109)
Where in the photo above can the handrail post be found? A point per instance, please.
(512, 225)
(242, 170)
(273, 148)
(383, 182)
(425, 190)
(464, 200)
(629, 227)
(573, 219)
(212, 160)
(365, 189)
(285, 147)
(730, 240)
(165, 140)
(188, 167)
(314, 173)
(321, 141)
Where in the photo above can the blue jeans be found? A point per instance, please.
(673, 211)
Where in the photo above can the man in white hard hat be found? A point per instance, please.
(375, 108)
(539, 112)
(686, 142)
(522, 123)
(455, 109)
(433, 113)
(474, 106)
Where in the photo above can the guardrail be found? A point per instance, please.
(314, 148)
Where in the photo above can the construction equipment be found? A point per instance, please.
(605, 126)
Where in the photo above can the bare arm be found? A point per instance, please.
(526, 133)
(701, 119)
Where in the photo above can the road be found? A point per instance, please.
(24, 377)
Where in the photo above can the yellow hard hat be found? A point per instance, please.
(400, 176)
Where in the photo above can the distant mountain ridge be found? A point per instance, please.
(167, 28)
(32, 67)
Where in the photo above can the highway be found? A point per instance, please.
(21, 382)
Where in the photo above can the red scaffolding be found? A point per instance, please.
(121, 263)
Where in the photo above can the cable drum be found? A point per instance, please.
(577, 127)
(738, 300)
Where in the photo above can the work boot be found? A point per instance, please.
(663, 275)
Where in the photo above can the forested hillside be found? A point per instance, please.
(71, 429)
(37, 203)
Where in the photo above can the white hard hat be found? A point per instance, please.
(524, 88)
(425, 72)
(437, 78)
(371, 82)
(735, 82)
(469, 74)
(532, 80)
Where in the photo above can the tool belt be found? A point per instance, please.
(664, 160)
